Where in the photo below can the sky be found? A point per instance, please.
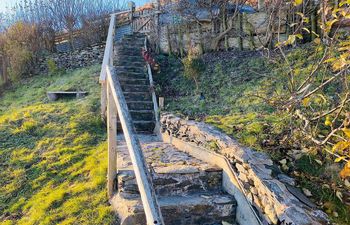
(4, 4)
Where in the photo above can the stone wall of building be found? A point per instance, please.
(272, 193)
(254, 28)
(87, 56)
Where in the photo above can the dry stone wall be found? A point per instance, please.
(272, 193)
(87, 56)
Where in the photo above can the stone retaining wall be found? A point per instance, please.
(87, 56)
(271, 192)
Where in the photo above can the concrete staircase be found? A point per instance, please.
(132, 74)
(189, 190)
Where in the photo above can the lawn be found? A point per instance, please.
(53, 156)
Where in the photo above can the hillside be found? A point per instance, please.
(53, 156)
(235, 94)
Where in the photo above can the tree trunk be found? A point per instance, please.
(240, 31)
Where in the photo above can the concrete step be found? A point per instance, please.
(145, 127)
(140, 105)
(137, 96)
(195, 209)
(135, 88)
(130, 80)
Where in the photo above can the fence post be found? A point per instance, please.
(112, 141)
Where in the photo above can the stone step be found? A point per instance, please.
(124, 53)
(133, 42)
(135, 88)
(135, 63)
(122, 74)
(126, 68)
(137, 96)
(129, 46)
(130, 54)
(140, 105)
(145, 127)
(175, 180)
(127, 57)
(174, 172)
(195, 209)
(128, 80)
(133, 37)
(145, 115)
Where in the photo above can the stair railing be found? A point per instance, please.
(153, 92)
(116, 106)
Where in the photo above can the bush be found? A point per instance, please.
(21, 47)
(193, 67)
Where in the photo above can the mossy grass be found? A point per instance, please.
(53, 154)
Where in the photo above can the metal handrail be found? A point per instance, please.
(112, 99)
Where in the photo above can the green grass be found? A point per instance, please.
(236, 99)
(53, 154)
(230, 103)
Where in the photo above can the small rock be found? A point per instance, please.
(347, 183)
(222, 200)
(283, 161)
(307, 192)
(286, 179)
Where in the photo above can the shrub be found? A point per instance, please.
(21, 47)
(193, 67)
(52, 67)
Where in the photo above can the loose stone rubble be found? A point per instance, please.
(266, 186)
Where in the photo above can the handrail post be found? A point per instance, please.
(112, 142)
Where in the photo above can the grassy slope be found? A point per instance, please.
(230, 84)
(53, 159)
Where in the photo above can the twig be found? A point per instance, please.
(330, 111)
